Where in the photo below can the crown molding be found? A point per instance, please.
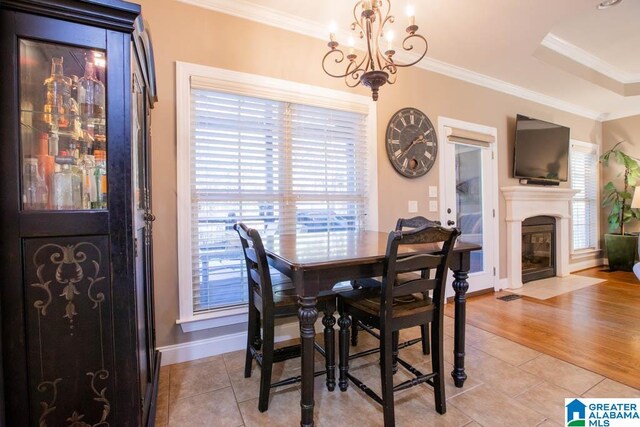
(581, 56)
(286, 21)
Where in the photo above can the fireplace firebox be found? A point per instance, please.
(538, 248)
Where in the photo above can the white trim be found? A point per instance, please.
(581, 56)
(188, 75)
(502, 284)
(274, 18)
(583, 265)
(596, 147)
(193, 350)
(215, 319)
(444, 122)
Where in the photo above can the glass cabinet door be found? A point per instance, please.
(62, 127)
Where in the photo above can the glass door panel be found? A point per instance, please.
(62, 127)
(469, 200)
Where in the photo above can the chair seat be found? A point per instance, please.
(376, 282)
(368, 301)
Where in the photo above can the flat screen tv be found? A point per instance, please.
(541, 150)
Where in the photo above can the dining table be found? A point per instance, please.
(317, 261)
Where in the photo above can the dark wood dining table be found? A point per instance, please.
(317, 261)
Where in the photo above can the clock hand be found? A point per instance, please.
(418, 140)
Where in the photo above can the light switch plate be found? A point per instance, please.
(433, 206)
(433, 191)
(413, 206)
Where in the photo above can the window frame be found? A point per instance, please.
(253, 85)
(586, 252)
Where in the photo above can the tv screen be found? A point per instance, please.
(541, 150)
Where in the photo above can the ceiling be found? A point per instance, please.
(563, 53)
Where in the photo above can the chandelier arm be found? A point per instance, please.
(410, 47)
(356, 22)
(370, 62)
(379, 33)
(338, 60)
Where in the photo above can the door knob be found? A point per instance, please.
(149, 217)
(450, 222)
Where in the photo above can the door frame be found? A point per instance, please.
(494, 236)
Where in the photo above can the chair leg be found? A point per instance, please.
(425, 339)
(437, 362)
(354, 334)
(386, 377)
(395, 339)
(267, 365)
(251, 339)
(330, 348)
(344, 322)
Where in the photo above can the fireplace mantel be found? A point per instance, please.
(524, 202)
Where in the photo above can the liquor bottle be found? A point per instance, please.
(91, 94)
(35, 193)
(57, 94)
(67, 188)
(89, 184)
(46, 165)
(100, 180)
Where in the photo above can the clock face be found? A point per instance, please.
(411, 142)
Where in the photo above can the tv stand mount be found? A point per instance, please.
(538, 181)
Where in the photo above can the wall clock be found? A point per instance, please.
(411, 141)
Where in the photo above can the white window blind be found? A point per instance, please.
(584, 178)
(277, 166)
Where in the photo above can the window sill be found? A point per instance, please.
(214, 319)
(585, 253)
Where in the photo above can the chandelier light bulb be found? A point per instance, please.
(389, 37)
(351, 43)
(333, 27)
(411, 14)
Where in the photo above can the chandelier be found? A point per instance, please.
(376, 67)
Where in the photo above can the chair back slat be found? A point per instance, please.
(414, 287)
(415, 222)
(417, 262)
(258, 274)
(428, 234)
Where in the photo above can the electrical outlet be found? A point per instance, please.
(433, 206)
(413, 206)
(433, 191)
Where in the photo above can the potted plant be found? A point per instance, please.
(621, 247)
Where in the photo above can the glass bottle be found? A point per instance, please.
(100, 175)
(91, 94)
(57, 94)
(35, 193)
(89, 184)
(67, 188)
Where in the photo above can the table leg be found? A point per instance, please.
(460, 286)
(307, 314)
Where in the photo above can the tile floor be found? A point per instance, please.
(508, 385)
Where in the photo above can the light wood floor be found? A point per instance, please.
(597, 328)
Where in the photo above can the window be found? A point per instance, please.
(278, 161)
(584, 206)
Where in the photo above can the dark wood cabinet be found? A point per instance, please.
(76, 284)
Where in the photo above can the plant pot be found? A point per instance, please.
(622, 251)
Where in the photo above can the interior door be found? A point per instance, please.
(469, 194)
(142, 233)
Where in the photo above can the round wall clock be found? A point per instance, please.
(411, 141)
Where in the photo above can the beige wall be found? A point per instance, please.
(613, 131)
(185, 33)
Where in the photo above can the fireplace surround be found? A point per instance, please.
(524, 202)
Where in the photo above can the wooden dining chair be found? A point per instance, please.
(401, 224)
(399, 304)
(271, 299)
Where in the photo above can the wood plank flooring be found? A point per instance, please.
(597, 328)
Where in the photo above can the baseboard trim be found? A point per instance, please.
(193, 350)
(473, 294)
(583, 265)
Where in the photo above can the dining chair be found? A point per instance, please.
(271, 299)
(398, 304)
(401, 224)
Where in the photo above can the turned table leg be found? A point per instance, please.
(460, 286)
(307, 314)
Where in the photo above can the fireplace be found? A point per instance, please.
(526, 201)
(538, 248)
